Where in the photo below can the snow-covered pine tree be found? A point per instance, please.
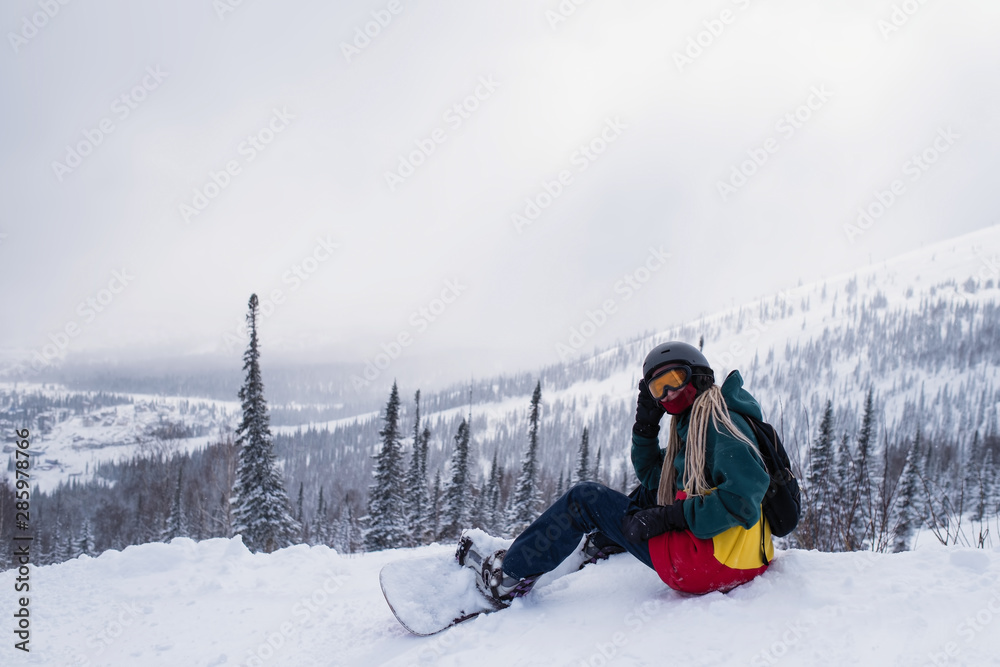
(69, 547)
(526, 495)
(298, 504)
(864, 516)
(347, 532)
(260, 507)
(51, 550)
(844, 502)
(432, 522)
(990, 481)
(144, 527)
(907, 517)
(176, 520)
(321, 522)
(417, 495)
(85, 544)
(817, 524)
(494, 501)
(981, 491)
(455, 514)
(386, 521)
(582, 473)
(974, 486)
(477, 500)
(596, 475)
(422, 536)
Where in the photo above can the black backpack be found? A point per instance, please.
(782, 503)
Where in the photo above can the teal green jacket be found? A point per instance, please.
(737, 475)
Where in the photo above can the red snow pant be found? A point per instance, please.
(690, 564)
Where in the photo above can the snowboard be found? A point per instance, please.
(432, 593)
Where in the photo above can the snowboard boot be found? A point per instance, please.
(492, 581)
(598, 547)
(499, 586)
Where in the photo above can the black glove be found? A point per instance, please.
(640, 525)
(648, 412)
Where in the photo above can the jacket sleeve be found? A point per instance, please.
(740, 483)
(647, 459)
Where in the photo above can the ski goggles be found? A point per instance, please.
(669, 378)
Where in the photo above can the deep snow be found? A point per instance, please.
(215, 603)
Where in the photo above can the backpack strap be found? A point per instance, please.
(763, 546)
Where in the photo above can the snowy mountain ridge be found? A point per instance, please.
(890, 326)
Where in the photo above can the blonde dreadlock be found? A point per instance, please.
(708, 407)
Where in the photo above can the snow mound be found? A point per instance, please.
(215, 603)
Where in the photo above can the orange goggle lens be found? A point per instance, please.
(666, 380)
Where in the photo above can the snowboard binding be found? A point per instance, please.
(497, 586)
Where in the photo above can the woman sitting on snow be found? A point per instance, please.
(704, 534)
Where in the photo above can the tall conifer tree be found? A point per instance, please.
(818, 524)
(583, 459)
(176, 521)
(417, 495)
(432, 523)
(907, 514)
(261, 512)
(321, 522)
(457, 496)
(526, 496)
(494, 502)
(386, 521)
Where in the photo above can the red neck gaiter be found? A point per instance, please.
(682, 401)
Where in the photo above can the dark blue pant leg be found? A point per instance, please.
(552, 537)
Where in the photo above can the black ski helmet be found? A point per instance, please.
(678, 352)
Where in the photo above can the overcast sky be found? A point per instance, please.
(822, 106)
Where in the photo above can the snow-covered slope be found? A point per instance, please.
(73, 443)
(922, 331)
(214, 603)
